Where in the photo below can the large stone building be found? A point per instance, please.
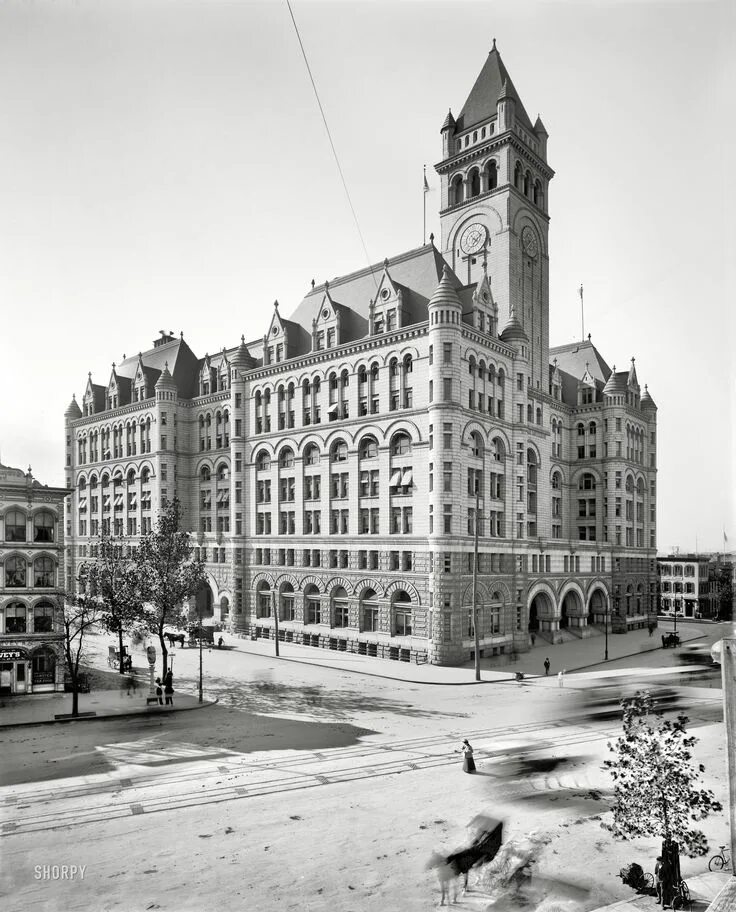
(31, 572)
(330, 466)
(692, 585)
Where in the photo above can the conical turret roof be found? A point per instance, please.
(73, 410)
(242, 359)
(646, 400)
(449, 122)
(616, 383)
(445, 294)
(539, 127)
(513, 331)
(165, 379)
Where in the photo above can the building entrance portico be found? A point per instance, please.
(542, 616)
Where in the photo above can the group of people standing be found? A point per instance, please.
(165, 688)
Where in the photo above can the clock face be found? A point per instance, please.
(473, 238)
(529, 242)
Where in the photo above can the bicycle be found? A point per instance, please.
(681, 896)
(721, 860)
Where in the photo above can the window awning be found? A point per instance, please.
(406, 477)
(332, 410)
(82, 504)
(395, 478)
(132, 502)
(206, 500)
(118, 499)
(105, 500)
(222, 496)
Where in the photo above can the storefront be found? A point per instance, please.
(24, 671)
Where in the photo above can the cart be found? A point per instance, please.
(199, 633)
(113, 658)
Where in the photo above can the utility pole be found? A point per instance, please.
(275, 611)
(476, 634)
(728, 677)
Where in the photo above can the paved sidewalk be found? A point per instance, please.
(704, 888)
(40, 709)
(572, 656)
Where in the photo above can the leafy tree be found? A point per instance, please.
(655, 792)
(114, 580)
(167, 572)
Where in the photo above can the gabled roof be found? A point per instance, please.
(481, 103)
(183, 366)
(416, 271)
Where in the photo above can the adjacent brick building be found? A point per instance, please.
(330, 466)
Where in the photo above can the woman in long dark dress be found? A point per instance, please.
(467, 752)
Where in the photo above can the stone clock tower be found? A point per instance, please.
(495, 179)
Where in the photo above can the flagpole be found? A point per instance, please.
(424, 201)
(582, 311)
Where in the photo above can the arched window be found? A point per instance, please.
(339, 452)
(43, 617)
(518, 176)
(492, 175)
(286, 458)
(556, 481)
(311, 455)
(15, 526)
(43, 572)
(539, 416)
(15, 573)
(312, 604)
(369, 611)
(15, 617)
(527, 183)
(263, 599)
(456, 190)
(476, 445)
(474, 182)
(587, 482)
(82, 483)
(368, 448)
(223, 471)
(286, 602)
(401, 610)
(538, 197)
(263, 461)
(401, 444)
(340, 611)
(204, 474)
(146, 475)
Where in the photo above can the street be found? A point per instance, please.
(307, 787)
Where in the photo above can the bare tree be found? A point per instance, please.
(167, 572)
(76, 616)
(655, 791)
(114, 580)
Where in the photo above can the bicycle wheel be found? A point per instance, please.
(649, 881)
(684, 891)
(677, 902)
(716, 863)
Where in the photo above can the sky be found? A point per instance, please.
(164, 165)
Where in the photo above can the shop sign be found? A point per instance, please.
(7, 654)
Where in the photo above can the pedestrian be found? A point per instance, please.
(467, 751)
(131, 684)
(561, 678)
(546, 665)
(169, 691)
(651, 629)
(219, 643)
(159, 692)
(658, 879)
(169, 679)
(533, 638)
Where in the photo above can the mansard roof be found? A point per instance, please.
(481, 103)
(416, 271)
(575, 357)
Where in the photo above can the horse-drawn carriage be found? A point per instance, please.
(199, 633)
(113, 658)
(670, 640)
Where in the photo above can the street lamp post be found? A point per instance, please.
(605, 628)
(275, 609)
(200, 631)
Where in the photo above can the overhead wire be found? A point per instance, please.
(332, 144)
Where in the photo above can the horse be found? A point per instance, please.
(175, 638)
(482, 850)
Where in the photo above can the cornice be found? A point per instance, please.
(502, 188)
(508, 137)
(112, 414)
(492, 342)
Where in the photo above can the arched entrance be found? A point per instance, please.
(541, 612)
(203, 602)
(572, 612)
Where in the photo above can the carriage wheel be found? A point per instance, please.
(684, 891)
(649, 881)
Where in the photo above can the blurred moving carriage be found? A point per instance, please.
(113, 658)
(634, 876)
(199, 633)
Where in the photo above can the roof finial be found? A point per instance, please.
(633, 359)
(242, 338)
(181, 334)
(588, 337)
(113, 365)
(312, 283)
(494, 45)
(276, 304)
(385, 262)
(431, 237)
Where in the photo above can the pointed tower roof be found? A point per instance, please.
(242, 359)
(616, 383)
(646, 400)
(539, 127)
(445, 294)
(73, 410)
(449, 123)
(491, 82)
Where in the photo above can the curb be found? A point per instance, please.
(121, 715)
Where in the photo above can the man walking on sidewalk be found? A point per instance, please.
(546, 665)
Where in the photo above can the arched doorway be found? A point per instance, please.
(597, 607)
(571, 610)
(203, 601)
(541, 612)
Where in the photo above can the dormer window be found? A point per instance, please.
(378, 325)
(319, 340)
